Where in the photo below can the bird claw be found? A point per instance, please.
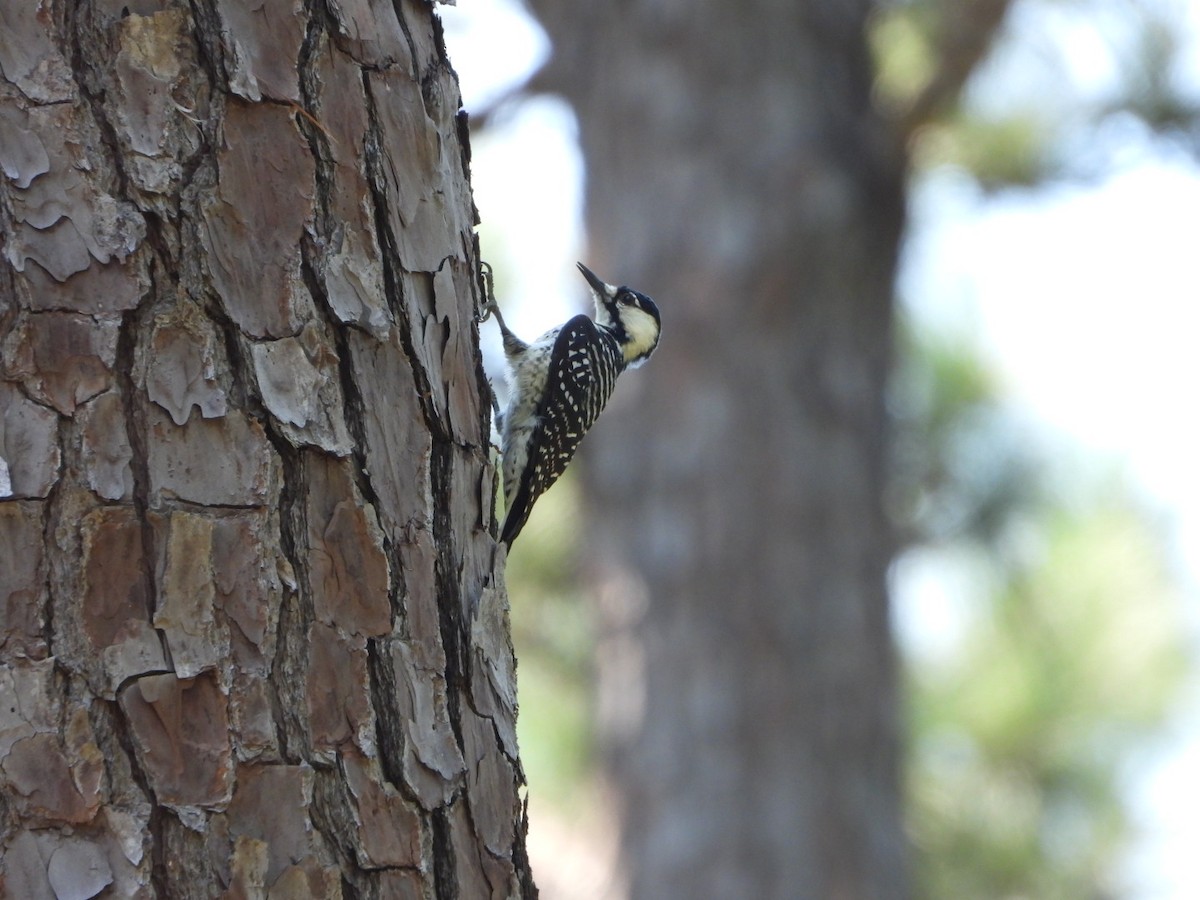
(486, 280)
(486, 312)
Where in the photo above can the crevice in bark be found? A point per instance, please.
(389, 733)
(330, 813)
(8, 285)
(353, 407)
(445, 879)
(162, 251)
(349, 890)
(206, 36)
(321, 23)
(310, 97)
(462, 124)
(398, 6)
(134, 323)
(439, 42)
(287, 677)
(296, 612)
(430, 79)
(51, 517)
(241, 370)
(449, 595)
(89, 82)
(47, 609)
(487, 394)
(296, 608)
(109, 725)
(209, 48)
(7, 820)
(88, 70)
(313, 270)
(520, 857)
(392, 265)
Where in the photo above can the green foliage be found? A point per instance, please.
(1013, 150)
(924, 56)
(1068, 659)
(963, 466)
(1018, 739)
(901, 37)
(1015, 100)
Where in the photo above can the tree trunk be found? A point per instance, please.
(738, 174)
(252, 638)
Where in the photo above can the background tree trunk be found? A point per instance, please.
(252, 637)
(738, 174)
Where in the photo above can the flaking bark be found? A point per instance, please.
(252, 636)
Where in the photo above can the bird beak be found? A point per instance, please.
(597, 285)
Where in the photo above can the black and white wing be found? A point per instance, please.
(584, 365)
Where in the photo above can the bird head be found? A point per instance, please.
(631, 316)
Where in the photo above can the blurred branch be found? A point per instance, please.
(964, 32)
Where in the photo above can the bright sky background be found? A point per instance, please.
(1088, 301)
(1085, 297)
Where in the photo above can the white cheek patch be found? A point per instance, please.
(643, 335)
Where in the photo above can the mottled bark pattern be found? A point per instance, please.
(738, 174)
(252, 641)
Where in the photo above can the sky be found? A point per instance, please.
(1083, 294)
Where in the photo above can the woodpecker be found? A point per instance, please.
(558, 386)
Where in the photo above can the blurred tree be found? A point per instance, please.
(737, 171)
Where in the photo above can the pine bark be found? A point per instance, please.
(748, 700)
(252, 636)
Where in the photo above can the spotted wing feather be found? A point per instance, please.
(584, 365)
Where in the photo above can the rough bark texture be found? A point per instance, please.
(737, 173)
(252, 640)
